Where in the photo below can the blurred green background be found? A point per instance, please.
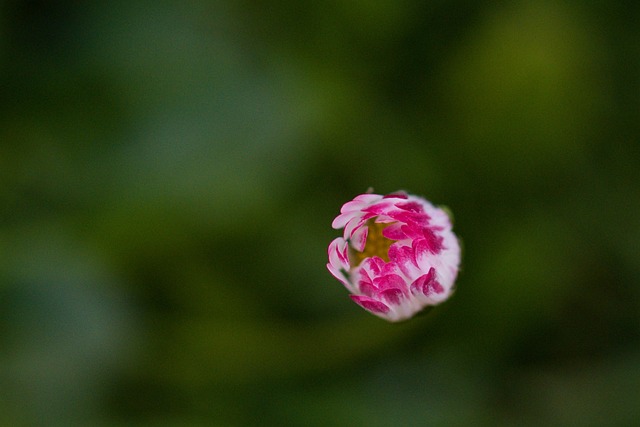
(169, 172)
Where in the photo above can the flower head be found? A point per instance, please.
(397, 255)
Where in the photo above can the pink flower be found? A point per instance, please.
(397, 255)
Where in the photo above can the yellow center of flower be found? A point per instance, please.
(376, 244)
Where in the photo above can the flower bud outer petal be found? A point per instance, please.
(370, 304)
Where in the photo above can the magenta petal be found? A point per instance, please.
(412, 231)
(351, 227)
(394, 232)
(391, 296)
(401, 254)
(365, 284)
(368, 216)
(370, 304)
(375, 264)
(420, 249)
(343, 255)
(433, 240)
(410, 217)
(377, 209)
(390, 281)
(417, 285)
(359, 238)
(402, 257)
(389, 268)
(367, 288)
(433, 287)
(410, 206)
(422, 283)
(337, 254)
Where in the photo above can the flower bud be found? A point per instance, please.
(397, 256)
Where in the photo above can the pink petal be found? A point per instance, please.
(370, 304)
(367, 288)
(379, 208)
(433, 287)
(412, 231)
(359, 202)
(365, 284)
(420, 285)
(343, 254)
(391, 296)
(410, 206)
(375, 264)
(341, 220)
(390, 281)
(352, 226)
(401, 255)
(423, 247)
(359, 239)
(338, 255)
(432, 240)
(389, 268)
(394, 232)
(409, 217)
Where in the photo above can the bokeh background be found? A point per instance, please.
(169, 172)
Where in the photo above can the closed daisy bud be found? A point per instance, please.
(397, 256)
